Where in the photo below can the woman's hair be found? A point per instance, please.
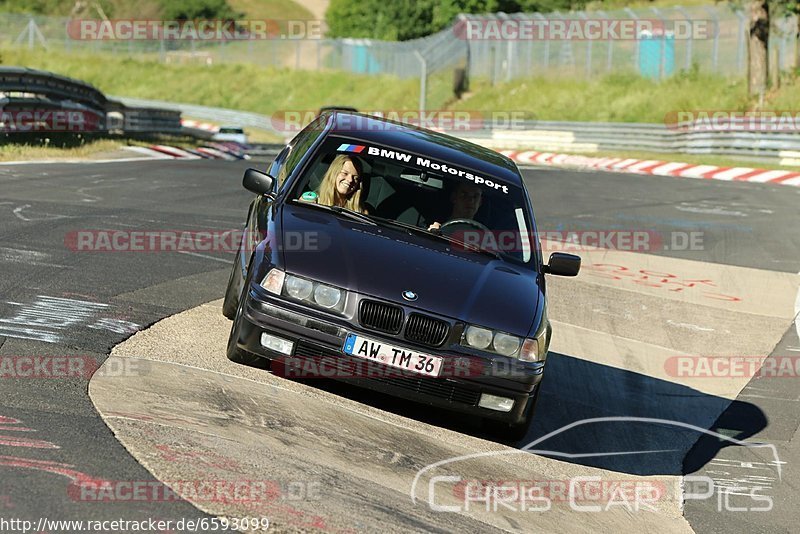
(327, 188)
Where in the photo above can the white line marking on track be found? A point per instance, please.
(223, 260)
(51, 217)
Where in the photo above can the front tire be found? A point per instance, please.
(233, 352)
(231, 301)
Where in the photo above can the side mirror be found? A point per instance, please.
(562, 264)
(257, 181)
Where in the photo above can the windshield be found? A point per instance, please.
(442, 199)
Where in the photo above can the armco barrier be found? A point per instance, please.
(560, 136)
(26, 90)
(143, 120)
(589, 137)
(54, 86)
(218, 116)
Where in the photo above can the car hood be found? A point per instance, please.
(384, 262)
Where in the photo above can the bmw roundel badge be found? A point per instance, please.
(409, 295)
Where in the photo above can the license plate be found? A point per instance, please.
(401, 358)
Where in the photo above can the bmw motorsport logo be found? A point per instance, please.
(409, 295)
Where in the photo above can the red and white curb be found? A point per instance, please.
(174, 152)
(197, 125)
(226, 151)
(656, 167)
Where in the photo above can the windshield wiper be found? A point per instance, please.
(440, 236)
(341, 211)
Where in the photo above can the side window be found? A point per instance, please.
(294, 152)
(276, 169)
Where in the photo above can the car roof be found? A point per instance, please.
(435, 145)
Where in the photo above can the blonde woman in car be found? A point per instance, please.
(341, 185)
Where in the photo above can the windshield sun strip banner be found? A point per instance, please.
(423, 163)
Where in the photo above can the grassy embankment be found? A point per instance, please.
(616, 98)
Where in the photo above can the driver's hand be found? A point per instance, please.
(434, 227)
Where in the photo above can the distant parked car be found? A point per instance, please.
(231, 133)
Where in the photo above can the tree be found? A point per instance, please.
(391, 20)
(409, 19)
(758, 46)
(198, 9)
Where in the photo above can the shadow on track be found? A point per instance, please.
(574, 390)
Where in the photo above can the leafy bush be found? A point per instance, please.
(198, 9)
(409, 19)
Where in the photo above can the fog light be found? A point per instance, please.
(493, 402)
(278, 344)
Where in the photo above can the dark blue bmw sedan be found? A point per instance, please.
(400, 260)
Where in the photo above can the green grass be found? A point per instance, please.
(615, 98)
(22, 151)
(626, 98)
(236, 86)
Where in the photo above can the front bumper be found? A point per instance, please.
(318, 352)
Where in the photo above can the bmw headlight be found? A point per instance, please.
(327, 296)
(298, 288)
(505, 344)
(310, 292)
(494, 341)
(478, 337)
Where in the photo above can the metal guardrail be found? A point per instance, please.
(143, 119)
(553, 136)
(561, 136)
(31, 90)
(220, 116)
(22, 80)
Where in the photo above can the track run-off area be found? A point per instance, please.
(669, 403)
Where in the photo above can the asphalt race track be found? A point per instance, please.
(624, 396)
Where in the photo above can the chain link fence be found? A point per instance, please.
(710, 39)
(720, 46)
